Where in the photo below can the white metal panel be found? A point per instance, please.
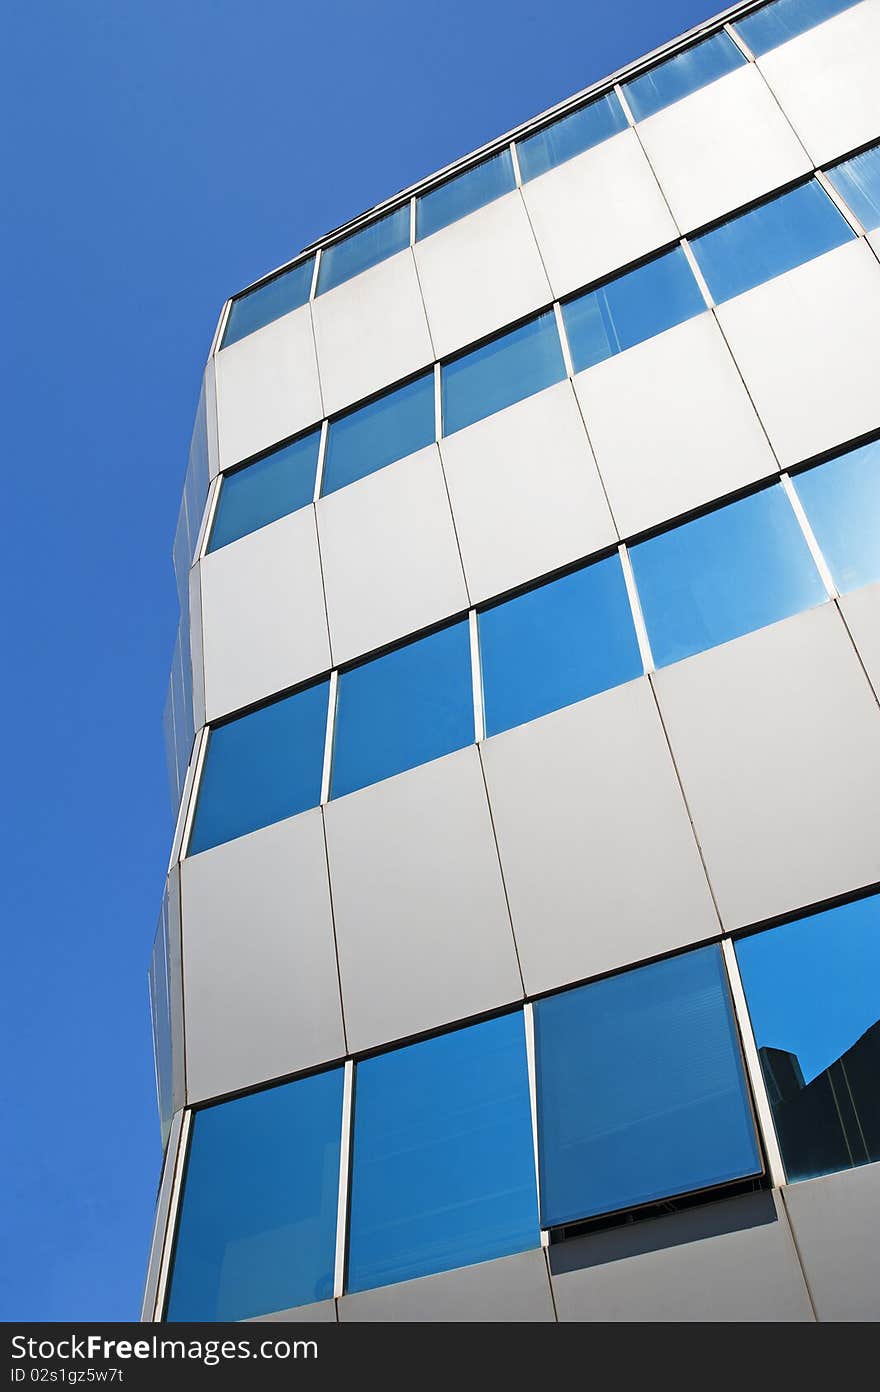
(525, 492)
(807, 344)
(260, 978)
(836, 1223)
(826, 81)
(371, 331)
(720, 147)
(480, 273)
(597, 212)
(421, 919)
(776, 737)
(672, 425)
(597, 852)
(513, 1290)
(267, 387)
(389, 553)
(265, 625)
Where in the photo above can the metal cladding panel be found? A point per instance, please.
(267, 387)
(262, 992)
(776, 737)
(807, 345)
(721, 147)
(525, 492)
(737, 1264)
(836, 1224)
(512, 1290)
(672, 425)
(597, 852)
(597, 212)
(479, 273)
(323, 1312)
(265, 624)
(390, 556)
(421, 919)
(826, 81)
(861, 610)
(371, 331)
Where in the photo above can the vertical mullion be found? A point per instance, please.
(344, 1179)
(635, 605)
(529, 1025)
(809, 535)
(753, 1065)
(477, 678)
(329, 736)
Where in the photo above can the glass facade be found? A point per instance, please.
(257, 308)
(571, 135)
(557, 644)
(769, 240)
(389, 428)
(641, 1090)
(731, 571)
(261, 768)
(524, 969)
(443, 1167)
(631, 308)
(257, 1229)
(502, 372)
(465, 194)
(262, 492)
(782, 20)
(813, 992)
(679, 76)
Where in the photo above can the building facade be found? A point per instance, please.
(519, 952)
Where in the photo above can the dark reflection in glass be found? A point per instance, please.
(813, 990)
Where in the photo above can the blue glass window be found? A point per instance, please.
(685, 73)
(403, 709)
(443, 1168)
(570, 136)
(268, 302)
(857, 181)
(842, 501)
(813, 992)
(509, 368)
(631, 308)
(257, 1230)
(271, 487)
(464, 194)
(396, 424)
(724, 574)
(641, 1092)
(777, 23)
(372, 244)
(261, 768)
(557, 644)
(771, 239)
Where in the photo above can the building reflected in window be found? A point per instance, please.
(813, 989)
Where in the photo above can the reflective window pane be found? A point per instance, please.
(405, 708)
(261, 768)
(813, 991)
(272, 487)
(257, 1231)
(631, 308)
(464, 194)
(857, 181)
(511, 367)
(443, 1169)
(641, 1092)
(685, 73)
(771, 239)
(372, 244)
(842, 501)
(397, 424)
(570, 136)
(724, 574)
(268, 302)
(777, 23)
(557, 644)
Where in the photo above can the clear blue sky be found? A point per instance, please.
(158, 156)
